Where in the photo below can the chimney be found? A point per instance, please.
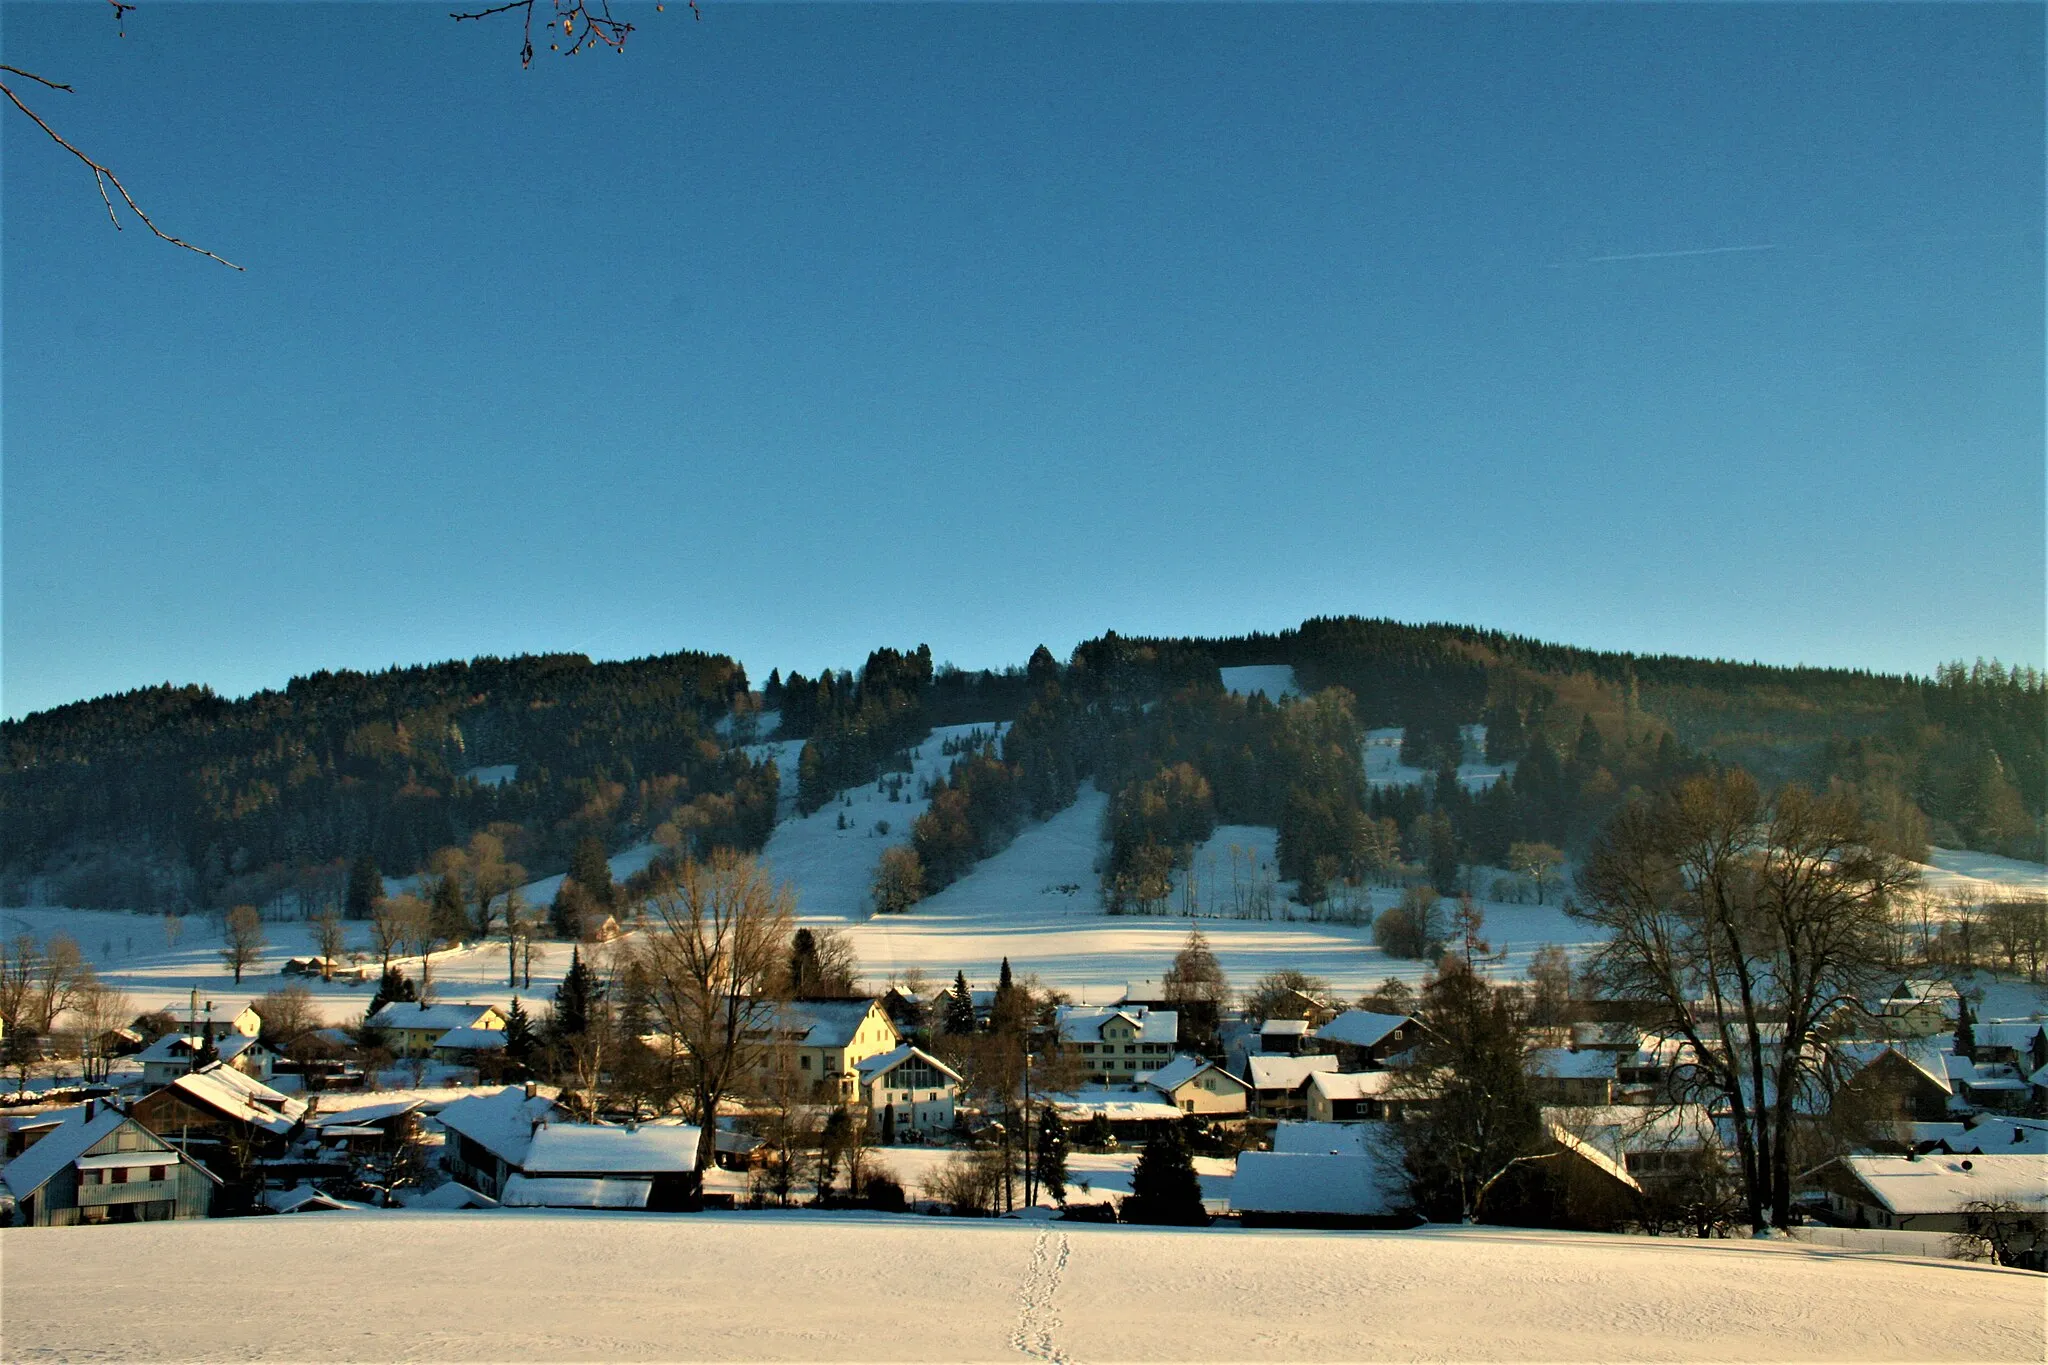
(529, 1090)
(91, 1108)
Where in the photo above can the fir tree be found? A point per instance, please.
(206, 1054)
(1097, 1133)
(959, 1013)
(1052, 1155)
(589, 870)
(1966, 1034)
(577, 998)
(1164, 1187)
(449, 911)
(393, 987)
(520, 1042)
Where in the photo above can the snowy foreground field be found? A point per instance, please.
(500, 1286)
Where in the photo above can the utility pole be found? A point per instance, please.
(1030, 1166)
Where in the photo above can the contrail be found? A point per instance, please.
(1672, 255)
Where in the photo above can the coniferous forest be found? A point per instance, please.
(175, 798)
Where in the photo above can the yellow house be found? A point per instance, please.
(825, 1041)
(414, 1029)
(1195, 1086)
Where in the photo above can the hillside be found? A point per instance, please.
(503, 1286)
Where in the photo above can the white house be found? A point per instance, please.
(1117, 1043)
(907, 1090)
(1280, 1084)
(170, 1056)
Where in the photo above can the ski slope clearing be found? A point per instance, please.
(833, 867)
(1275, 680)
(1383, 766)
(758, 1286)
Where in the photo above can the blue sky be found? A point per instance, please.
(805, 329)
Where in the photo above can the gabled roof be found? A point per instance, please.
(228, 1092)
(473, 1039)
(1119, 1106)
(178, 1047)
(1183, 1069)
(1281, 1028)
(1592, 1155)
(502, 1123)
(58, 1148)
(2017, 1034)
(1353, 1085)
(453, 1195)
(403, 1014)
(1921, 1054)
(1290, 1137)
(365, 1114)
(1084, 1023)
(875, 1067)
(1943, 1184)
(1271, 1071)
(598, 1149)
(1360, 1028)
(1999, 1135)
(824, 1023)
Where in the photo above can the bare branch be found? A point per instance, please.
(102, 177)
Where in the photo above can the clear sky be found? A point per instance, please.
(798, 330)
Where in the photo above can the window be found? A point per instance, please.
(92, 1177)
(158, 1172)
(120, 1175)
(804, 1062)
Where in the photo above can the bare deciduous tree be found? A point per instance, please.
(242, 939)
(714, 954)
(1747, 925)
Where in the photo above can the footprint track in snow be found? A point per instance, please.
(1036, 1319)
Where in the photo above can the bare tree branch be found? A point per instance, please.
(581, 23)
(102, 177)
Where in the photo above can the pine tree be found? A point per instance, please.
(1097, 1133)
(1164, 1187)
(206, 1054)
(1966, 1034)
(519, 1039)
(394, 987)
(888, 1125)
(365, 887)
(959, 1014)
(1052, 1155)
(449, 911)
(576, 998)
(803, 964)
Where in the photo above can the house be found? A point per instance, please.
(223, 1119)
(824, 1042)
(1649, 1143)
(98, 1165)
(1294, 1004)
(1561, 1076)
(170, 1056)
(907, 1090)
(1361, 1185)
(1284, 1036)
(512, 1146)
(1117, 1043)
(1133, 1115)
(1197, 1086)
(1917, 1008)
(326, 968)
(1619, 1038)
(413, 1029)
(1997, 1135)
(1280, 1084)
(368, 1129)
(1298, 1136)
(1933, 1193)
(1362, 1040)
(304, 1199)
(1998, 1086)
(1353, 1096)
(470, 1046)
(2019, 1043)
(1912, 1074)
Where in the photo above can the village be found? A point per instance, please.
(1287, 1109)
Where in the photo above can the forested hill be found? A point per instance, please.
(173, 796)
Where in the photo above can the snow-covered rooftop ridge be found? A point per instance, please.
(1274, 1071)
(1182, 1069)
(1943, 1184)
(175, 1047)
(1365, 1181)
(1084, 1023)
(405, 1014)
(1078, 1106)
(58, 1148)
(873, 1067)
(501, 1123)
(580, 1149)
(824, 1023)
(228, 1091)
(1353, 1085)
(473, 1039)
(1361, 1028)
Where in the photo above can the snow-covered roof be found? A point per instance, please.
(875, 1067)
(227, 1091)
(501, 1123)
(365, 1113)
(473, 1039)
(1118, 1106)
(1618, 1036)
(59, 1148)
(1183, 1069)
(1353, 1085)
(1084, 1023)
(1360, 1028)
(1283, 1028)
(2017, 1034)
(1562, 1064)
(1618, 1129)
(1271, 1071)
(1999, 1135)
(822, 1023)
(562, 1192)
(1321, 1138)
(1594, 1156)
(1364, 1183)
(605, 1149)
(1943, 1184)
(453, 1195)
(403, 1014)
(179, 1047)
(304, 1199)
(1922, 1054)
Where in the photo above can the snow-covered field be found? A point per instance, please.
(1275, 680)
(802, 1286)
(1982, 876)
(1383, 766)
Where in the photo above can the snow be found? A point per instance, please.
(605, 1149)
(1275, 680)
(1383, 766)
(813, 1286)
(834, 868)
(1982, 876)
(1365, 1182)
(497, 775)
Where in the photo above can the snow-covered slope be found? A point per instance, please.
(1275, 680)
(1982, 876)
(1383, 766)
(797, 1286)
(832, 867)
